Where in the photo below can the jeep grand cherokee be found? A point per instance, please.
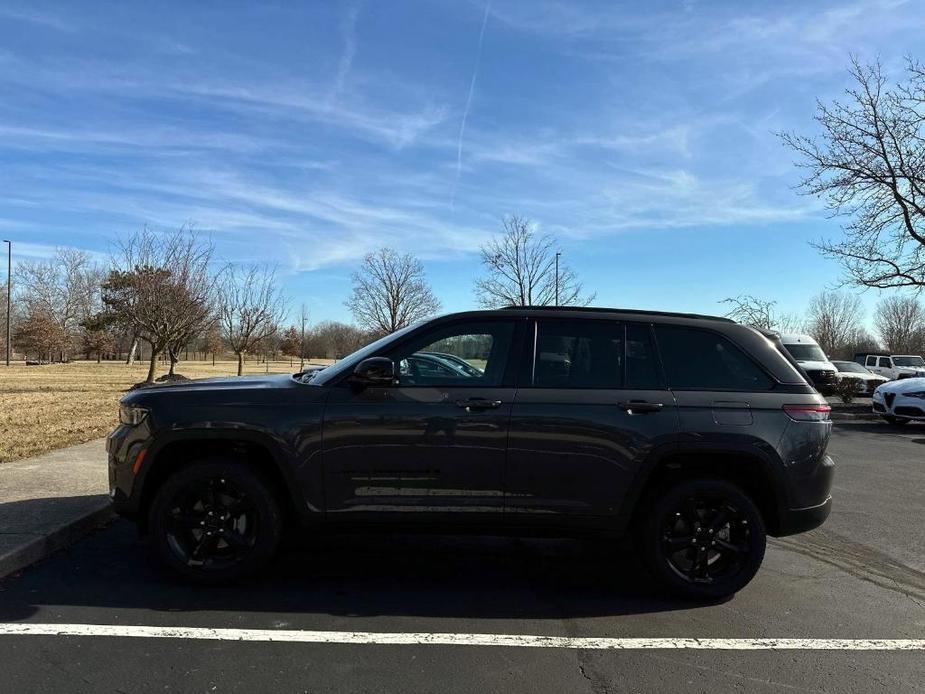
(695, 434)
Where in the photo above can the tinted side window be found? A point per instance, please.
(871, 361)
(578, 354)
(468, 354)
(642, 370)
(701, 360)
(885, 362)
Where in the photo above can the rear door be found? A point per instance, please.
(726, 400)
(591, 406)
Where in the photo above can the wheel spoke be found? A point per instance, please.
(678, 541)
(205, 546)
(731, 546)
(720, 519)
(236, 541)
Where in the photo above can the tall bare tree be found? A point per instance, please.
(251, 308)
(161, 289)
(868, 164)
(521, 270)
(834, 319)
(761, 313)
(64, 289)
(900, 321)
(391, 292)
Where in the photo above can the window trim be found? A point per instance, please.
(775, 384)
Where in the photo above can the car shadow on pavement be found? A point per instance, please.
(422, 576)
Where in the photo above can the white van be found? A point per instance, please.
(809, 355)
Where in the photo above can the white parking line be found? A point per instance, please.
(449, 639)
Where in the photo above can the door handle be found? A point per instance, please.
(472, 404)
(640, 406)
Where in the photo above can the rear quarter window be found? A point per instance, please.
(702, 360)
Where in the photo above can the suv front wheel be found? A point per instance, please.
(702, 538)
(215, 520)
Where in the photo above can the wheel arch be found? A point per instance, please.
(748, 469)
(171, 452)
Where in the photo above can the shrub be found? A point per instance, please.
(847, 389)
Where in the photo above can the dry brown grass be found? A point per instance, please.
(47, 407)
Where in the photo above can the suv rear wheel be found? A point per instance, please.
(703, 538)
(215, 520)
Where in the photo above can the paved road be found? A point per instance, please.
(860, 577)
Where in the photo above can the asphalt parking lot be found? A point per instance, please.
(861, 576)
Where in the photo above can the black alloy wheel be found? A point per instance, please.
(215, 520)
(704, 538)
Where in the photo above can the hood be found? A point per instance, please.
(903, 386)
(817, 365)
(219, 383)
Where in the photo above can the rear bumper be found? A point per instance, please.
(798, 520)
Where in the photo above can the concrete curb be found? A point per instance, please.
(55, 539)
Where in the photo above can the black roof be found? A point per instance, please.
(627, 311)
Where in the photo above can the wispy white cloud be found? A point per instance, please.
(349, 50)
(465, 114)
(37, 17)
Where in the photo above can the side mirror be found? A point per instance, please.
(375, 371)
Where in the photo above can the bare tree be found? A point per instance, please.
(761, 313)
(834, 319)
(335, 340)
(868, 164)
(162, 289)
(40, 335)
(251, 308)
(391, 292)
(900, 321)
(64, 289)
(522, 270)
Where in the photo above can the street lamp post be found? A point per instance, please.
(558, 253)
(9, 294)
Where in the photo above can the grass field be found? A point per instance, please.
(47, 407)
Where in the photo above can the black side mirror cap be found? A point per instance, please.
(375, 371)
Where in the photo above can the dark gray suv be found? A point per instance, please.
(697, 435)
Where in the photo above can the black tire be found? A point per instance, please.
(895, 421)
(215, 520)
(702, 538)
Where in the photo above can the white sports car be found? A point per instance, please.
(902, 401)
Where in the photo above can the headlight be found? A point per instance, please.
(131, 415)
(916, 394)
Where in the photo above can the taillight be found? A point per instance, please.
(808, 413)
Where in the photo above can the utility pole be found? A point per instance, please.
(302, 342)
(558, 253)
(9, 294)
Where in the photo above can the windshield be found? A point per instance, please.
(806, 352)
(909, 361)
(351, 360)
(850, 367)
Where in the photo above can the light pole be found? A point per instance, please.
(558, 253)
(9, 294)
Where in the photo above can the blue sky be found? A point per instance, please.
(305, 134)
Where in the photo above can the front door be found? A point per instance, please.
(433, 445)
(590, 409)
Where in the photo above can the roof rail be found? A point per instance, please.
(632, 311)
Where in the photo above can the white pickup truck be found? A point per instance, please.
(893, 366)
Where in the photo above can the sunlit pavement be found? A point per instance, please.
(859, 577)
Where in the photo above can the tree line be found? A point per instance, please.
(168, 294)
(835, 320)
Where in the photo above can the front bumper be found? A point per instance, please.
(822, 379)
(123, 447)
(899, 405)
